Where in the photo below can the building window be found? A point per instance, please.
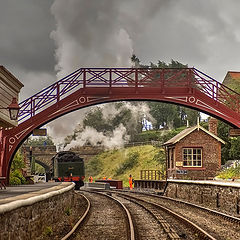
(192, 157)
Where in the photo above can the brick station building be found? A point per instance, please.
(194, 153)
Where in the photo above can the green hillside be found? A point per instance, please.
(120, 163)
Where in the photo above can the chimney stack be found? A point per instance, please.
(212, 125)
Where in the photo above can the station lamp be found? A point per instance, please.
(13, 109)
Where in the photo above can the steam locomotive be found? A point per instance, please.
(68, 167)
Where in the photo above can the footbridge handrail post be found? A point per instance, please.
(110, 79)
(84, 78)
(136, 79)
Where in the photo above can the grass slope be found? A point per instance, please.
(120, 163)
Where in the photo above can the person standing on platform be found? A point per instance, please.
(130, 180)
(90, 179)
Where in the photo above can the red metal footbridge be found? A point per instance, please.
(90, 86)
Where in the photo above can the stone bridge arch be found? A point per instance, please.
(41, 154)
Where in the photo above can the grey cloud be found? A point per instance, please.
(89, 34)
(25, 27)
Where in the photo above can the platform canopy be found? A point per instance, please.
(10, 87)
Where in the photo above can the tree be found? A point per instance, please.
(168, 115)
(100, 119)
(16, 176)
(234, 152)
(165, 114)
(39, 141)
(223, 130)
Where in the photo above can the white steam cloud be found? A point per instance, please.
(95, 33)
(119, 136)
(90, 135)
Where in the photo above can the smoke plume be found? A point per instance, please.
(96, 34)
(91, 136)
(89, 34)
(118, 137)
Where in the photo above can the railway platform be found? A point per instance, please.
(14, 193)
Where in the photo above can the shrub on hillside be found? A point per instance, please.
(147, 136)
(171, 134)
(129, 163)
(159, 157)
(93, 167)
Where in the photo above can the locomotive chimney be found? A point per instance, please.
(212, 125)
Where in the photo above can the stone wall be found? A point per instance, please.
(29, 222)
(224, 196)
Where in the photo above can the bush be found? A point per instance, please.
(230, 173)
(93, 167)
(14, 181)
(16, 170)
(160, 157)
(129, 163)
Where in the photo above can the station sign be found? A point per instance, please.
(234, 132)
(179, 164)
(182, 171)
(40, 132)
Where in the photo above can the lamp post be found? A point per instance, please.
(13, 109)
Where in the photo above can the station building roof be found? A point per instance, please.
(187, 131)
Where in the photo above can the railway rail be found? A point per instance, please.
(175, 225)
(135, 216)
(128, 218)
(218, 224)
(107, 219)
(80, 221)
(148, 223)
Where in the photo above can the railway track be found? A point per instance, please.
(174, 225)
(107, 218)
(80, 221)
(217, 224)
(148, 223)
(136, 216)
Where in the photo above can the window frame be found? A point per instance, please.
(190, 157)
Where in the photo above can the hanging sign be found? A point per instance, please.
(234, 132)
(40, 132)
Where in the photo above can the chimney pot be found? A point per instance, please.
(212, 125)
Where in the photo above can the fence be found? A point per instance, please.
(151, 175)
(154, 143)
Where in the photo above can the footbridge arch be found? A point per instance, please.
(90, 86)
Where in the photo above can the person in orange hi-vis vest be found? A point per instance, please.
(90, 179)
(130, 180)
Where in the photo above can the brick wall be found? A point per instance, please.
(211, 155)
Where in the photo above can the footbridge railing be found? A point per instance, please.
(130, 78)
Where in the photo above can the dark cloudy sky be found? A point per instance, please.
(43, 40)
